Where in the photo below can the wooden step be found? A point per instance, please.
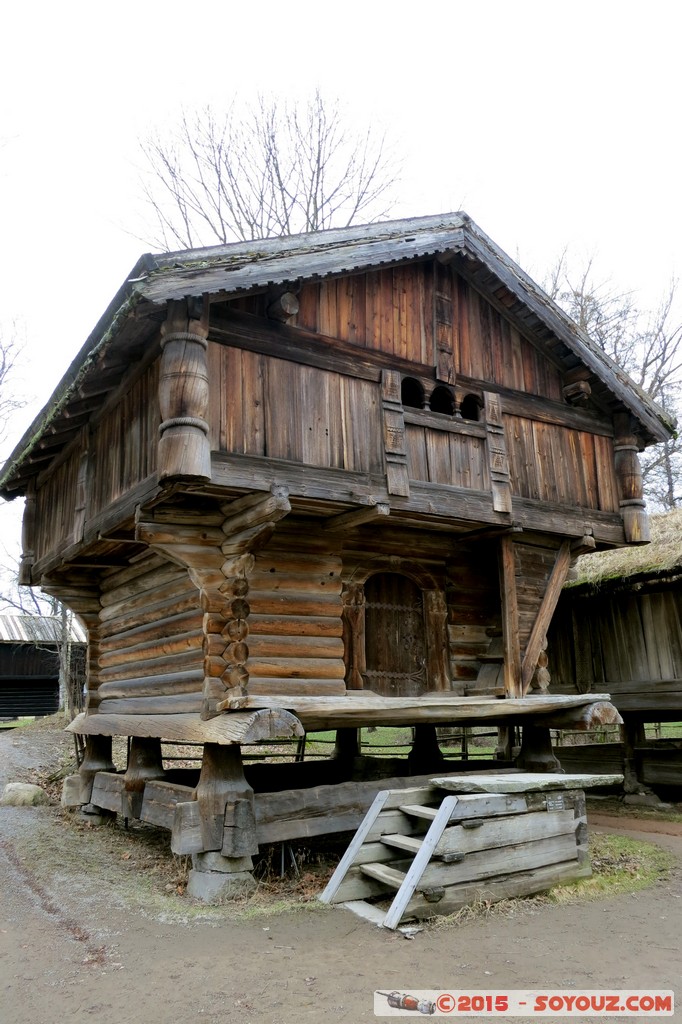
(419, 811)
(410, 843)
(384, 873)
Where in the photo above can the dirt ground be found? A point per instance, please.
(91, 931)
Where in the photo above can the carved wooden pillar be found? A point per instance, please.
(629, 477)
(184, 447)
(353, 619)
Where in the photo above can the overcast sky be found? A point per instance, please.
(551, 123)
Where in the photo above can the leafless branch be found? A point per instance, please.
(275, 168)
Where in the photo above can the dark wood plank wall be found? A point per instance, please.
(295, 627)
(151, 653)
(394, 311)
(561, 465)
(124, 442)
(626, 643)
(56, 497)
(282, 410)
(441, 457)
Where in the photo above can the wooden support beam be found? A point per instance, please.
(583, 719)
(251, 726)
(226, 803)
(357, 517)
(544, 616)
(510, 618)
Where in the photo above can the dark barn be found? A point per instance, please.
(29, 664)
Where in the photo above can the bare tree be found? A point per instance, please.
(277, 168)
(647, 345)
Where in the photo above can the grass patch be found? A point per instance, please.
(615, 808)
(619, 866)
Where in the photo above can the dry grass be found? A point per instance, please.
(662, 555)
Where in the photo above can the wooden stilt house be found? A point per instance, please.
(323, 481)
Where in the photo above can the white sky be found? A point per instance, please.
(551, 123)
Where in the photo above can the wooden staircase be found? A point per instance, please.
(425, 852)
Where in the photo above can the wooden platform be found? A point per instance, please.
(244, 727)
(358, 708)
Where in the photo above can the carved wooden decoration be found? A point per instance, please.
(444, 322)
(498, 460)
(397, 479)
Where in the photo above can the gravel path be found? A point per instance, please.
(87, 933)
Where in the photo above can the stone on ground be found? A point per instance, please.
(23, 794)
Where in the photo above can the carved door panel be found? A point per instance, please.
(395, 636)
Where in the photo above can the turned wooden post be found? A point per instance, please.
(184, 447)
(97, 759)
(629, 477)
(425, 755)
(346, 746)
(228, 820)
(536, 754)
(144, 763)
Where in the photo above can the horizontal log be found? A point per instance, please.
(286, 584)
(505, 832)
(160, 800)
(154, 614)
(187, 621)
(155, 686)
(150, 650)
(181, 703)
(290, 625)
(362, 707)
(592, 716)
(300, 813)
(195, 535)
(275, 603)
(155, 579)
(279, 687)
(509, 886)
(175, 592)
(295, 646)
(152, 666)
(243, 727)
(297, 668)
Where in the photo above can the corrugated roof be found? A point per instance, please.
(34, 629)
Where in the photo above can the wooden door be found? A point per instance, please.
(395, 636)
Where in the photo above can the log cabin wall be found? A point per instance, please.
(295, 629)
(150, 630)
(627, 643)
